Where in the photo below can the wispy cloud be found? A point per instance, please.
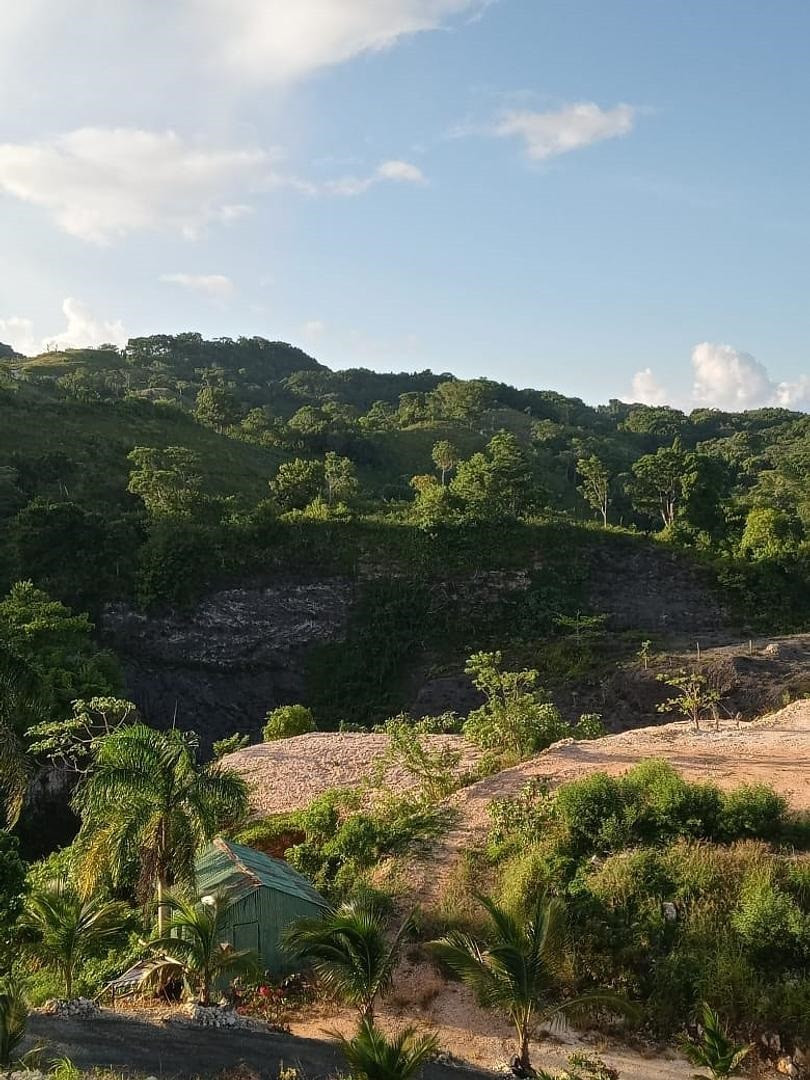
(401, 172)
(548, 134)
(217, 286)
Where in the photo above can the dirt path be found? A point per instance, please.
(171, 1050)
(774, 750)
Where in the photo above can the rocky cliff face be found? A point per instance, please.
(241, 651)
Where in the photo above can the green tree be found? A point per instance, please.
(297, 483)
(167, 479)
(216, 406)
(194, 947)
(694, 696)
(349, 952)
(595, 486)
(458, 399)
(67, 929)
(371, 1055)
(770, 535)
(148, 802)
(434, 504)
(719, 1055)
(522, 968)
(50, 655)
(511, 474)
(445, 457)
(340, 479)
(71, 742)
(12, 893)
(516, 716)
(656, 487)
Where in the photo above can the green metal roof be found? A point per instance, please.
(240, 870)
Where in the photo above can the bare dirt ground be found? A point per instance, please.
(774, 750)
(289, 773)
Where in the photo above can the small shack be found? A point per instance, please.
(264, 896)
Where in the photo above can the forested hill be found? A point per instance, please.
(403, 519)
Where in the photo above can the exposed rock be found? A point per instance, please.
(670, 912)
(220, 666)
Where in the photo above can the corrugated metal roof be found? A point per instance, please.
(242, 870)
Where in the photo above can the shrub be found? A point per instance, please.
(288, 721)
(229, 745)
(752, 810)
(767, 919)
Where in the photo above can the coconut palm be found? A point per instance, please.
(149, 802)
(66, 928)
(522, 968)
(13, 1018)
(349, 952)
(715, 1052)
(194, 948)
(370, 1055)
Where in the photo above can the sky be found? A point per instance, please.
(608, 198)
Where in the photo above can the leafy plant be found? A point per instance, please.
(694, 697)
(229, 745)
(193, 947)
(349, 952)
(67, 928)
(13, 1018)
(719, 1055)
(371, 1055)
(522, 968)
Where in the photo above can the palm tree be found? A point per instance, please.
(349, 952)
(715, 1052)
(13, 1018)
(148, 801)
(522, 969)
(370, 1055)
(194, 949)
(67, 928)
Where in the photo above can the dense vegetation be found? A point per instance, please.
(151, 474)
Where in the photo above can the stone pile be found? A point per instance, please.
(213, 1016)
(76, 1008)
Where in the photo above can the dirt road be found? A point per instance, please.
(172, 1050)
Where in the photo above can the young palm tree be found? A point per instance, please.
(522, 969)
(715, 1052)
(66, 928)
(149, 801)
(349, 952)
(13, 1018)
(194, 948)
(370, 1055)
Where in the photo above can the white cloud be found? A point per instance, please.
(313, 330)
(217, 286)
(549, 134)
(646, 389)
(84, 330)
(19, 334)
(103, 183)
(728, 379)
(281, 41)
(401, 172)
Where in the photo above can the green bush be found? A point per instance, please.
(288, 721)
(753, 810)
(229, 745)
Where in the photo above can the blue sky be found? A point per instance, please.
(604, 197)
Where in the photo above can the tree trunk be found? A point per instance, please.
(162, 907)
(525, 1062)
